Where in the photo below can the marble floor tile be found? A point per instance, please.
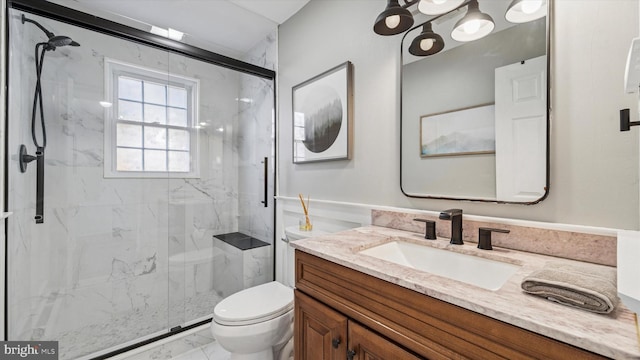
(214, 351)
(195, 354)
(178, 348)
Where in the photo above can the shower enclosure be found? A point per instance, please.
(159, 162)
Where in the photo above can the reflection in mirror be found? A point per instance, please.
(474, 121)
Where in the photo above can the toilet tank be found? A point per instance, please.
(293, 233)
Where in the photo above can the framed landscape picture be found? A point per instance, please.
(322, 116)
(462, 132)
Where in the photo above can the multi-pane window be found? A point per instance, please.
(152, 123)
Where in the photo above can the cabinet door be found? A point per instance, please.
(364, 344)
(320, 332)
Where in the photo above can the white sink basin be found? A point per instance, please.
(481, 272)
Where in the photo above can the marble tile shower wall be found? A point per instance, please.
(98, 273)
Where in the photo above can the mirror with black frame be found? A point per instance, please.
(475, 114)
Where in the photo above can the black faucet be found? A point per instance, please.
(455, 215)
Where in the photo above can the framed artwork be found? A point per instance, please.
(461, 132)
(322, 116)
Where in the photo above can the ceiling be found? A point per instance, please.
(230, 27)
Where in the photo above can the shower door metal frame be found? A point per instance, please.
(4, 54)
(111, 28)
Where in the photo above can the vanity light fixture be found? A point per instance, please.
(427, 43)
(474, 25)
(394, 20)
(521, 11)
(437, 7)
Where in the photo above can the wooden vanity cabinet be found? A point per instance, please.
(368, 345)
(324, 334)
(320, 331)
(338, 310)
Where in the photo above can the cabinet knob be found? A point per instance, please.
(336, 342)
(350, 354)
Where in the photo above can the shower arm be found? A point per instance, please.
(47, 32)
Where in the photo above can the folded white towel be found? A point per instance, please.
(591, 288)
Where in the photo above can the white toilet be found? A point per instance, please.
(257, 323)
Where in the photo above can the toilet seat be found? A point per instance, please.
(254, 305)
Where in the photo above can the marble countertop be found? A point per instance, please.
(612, 335)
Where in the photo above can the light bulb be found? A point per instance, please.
(531, 6)
(392, 21)
(175, 34)
(426, 44)
(472, 26)
(438, 2)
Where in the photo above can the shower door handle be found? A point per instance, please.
(265, 162)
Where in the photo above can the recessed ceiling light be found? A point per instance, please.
(105, 104)
(175, 34)
(159, 31)
(168, 33)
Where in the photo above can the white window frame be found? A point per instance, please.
(115, 68)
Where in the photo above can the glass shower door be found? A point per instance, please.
(158, 189)
(93, 275)
(221, 223)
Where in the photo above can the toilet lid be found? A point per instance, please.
(294, 233)
(253, 305)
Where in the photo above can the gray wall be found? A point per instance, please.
(594, 167)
